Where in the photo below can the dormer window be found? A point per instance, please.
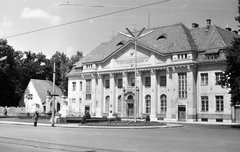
(212, 56)
(121, 43)
(89, 66)
(182, 56)
(161, 37)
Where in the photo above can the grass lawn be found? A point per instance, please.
(106, 123)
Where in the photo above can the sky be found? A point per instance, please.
(50, 18)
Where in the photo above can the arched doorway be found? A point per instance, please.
(130, 105)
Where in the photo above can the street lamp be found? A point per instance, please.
(135, 39)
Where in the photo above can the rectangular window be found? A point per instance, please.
(163, 81)
(204, 100)
(132, 81)
(88, 89)
(219, 103)
(119, 105)
(204, 79)
(148, 106)
(147, 81)
(107, 84)
(218, 77)
(73, 86)
(182, 85)
(120, 83)
(73, 104)
(80, 85)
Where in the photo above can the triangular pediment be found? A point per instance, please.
(125, 56)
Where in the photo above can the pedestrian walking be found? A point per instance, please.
(5, 111)
(35, 118)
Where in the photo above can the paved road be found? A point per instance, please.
(191, 137)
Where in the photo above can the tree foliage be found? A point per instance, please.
(20, 67)
(231, 76)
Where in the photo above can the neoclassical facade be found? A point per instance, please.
(176, 76)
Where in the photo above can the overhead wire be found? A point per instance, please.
(84, 19)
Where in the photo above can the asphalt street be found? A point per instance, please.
(190, 137)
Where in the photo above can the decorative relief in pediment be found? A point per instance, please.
(128, 58)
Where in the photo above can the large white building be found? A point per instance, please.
(177, 71)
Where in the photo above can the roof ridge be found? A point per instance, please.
(190, 38)
(220, 35)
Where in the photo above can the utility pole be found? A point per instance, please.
(135, 39)
(53, 102)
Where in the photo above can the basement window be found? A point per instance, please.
(204, 119)
(219, 120)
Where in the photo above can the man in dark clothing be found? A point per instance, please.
(35, 118)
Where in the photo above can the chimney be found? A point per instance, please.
(208, 22)
(195, 25)
(229, 29)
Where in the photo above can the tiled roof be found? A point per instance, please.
(167, 39)
(42, 86)
(177, 39)
(211, 38)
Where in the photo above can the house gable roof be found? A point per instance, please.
(42, 86)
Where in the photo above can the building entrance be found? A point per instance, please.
(130, 109)
(87, 109)
(181, 113)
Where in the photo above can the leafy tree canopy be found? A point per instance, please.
(19, 67)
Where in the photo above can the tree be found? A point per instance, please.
(231, 76)
(9, 88)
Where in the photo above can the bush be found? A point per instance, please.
(118, 119)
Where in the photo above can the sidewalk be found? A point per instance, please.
(203, 123)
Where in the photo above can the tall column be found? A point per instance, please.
(154, 91)
(139, 94)
(169, 96)
(100, 95)
(93, 110)
(124, 77)
(112, 103)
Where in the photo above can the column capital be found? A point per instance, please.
(138, 73)
(173, 68)
(124, 74)
(152, 71)
(99, 76)
(111, 75)
(93, 76)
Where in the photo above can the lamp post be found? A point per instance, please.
(135, 39)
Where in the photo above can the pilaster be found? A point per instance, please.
(100, 95)
(94, 90)
(153, 94)
(112, 104)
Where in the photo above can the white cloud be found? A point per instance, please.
(6, 22)
(38, 13)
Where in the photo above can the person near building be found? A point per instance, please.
(35, 118)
